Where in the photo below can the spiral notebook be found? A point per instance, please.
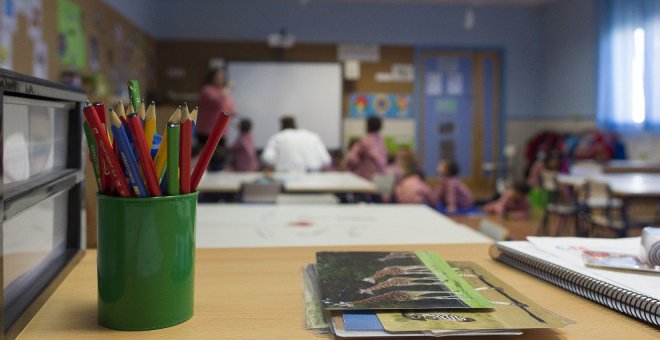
(559, 261)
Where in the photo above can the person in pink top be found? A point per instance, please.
(213, 100)
(244, 155)
(513, 203)
(452, 195)
(368, 156)
(411, 188)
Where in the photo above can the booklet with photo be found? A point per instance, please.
(392, 280)
(513, 310)
(607, 259)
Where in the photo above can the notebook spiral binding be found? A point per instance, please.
(633, 304)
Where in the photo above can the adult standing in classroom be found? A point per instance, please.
(368, 156)
(295, 150)
(214, 99)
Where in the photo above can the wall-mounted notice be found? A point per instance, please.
(359, 52)
(433, 84)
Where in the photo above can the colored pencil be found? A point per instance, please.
(100, 110)
(106, 153)
(193, 117)
(130, 163)
(93, 153)
(184, 151)
(161, 155)
(147, 165)
(141, 111)
(150, 125)
(208, 150)
(173, 129)
(134, 94)
(106, 180)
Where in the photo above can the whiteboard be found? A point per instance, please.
(309, 91)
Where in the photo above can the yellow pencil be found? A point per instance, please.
(121, 112)
(141, 111)
(161, 156)
(150, 125)
(193, 114)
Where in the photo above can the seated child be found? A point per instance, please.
(513, 203)
(410, 186)
(412, 189)
(402, 161)
(452, 195)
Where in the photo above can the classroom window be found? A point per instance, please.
(638, 103)
(628, 65)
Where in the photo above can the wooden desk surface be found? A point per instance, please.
(315, 182)
(257, 294)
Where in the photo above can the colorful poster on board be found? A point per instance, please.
(386, 105)
(71, 35)
(7, 28)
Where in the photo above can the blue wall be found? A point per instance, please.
(549, 51)
(516, 30)
(140, 12)
(568, 82)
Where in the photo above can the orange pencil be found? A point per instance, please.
(148, 169)
(184, 151)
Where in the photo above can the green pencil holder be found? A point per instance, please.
(146, 261)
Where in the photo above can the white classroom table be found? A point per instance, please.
(623, 185)
(244, 225)
(314, 182)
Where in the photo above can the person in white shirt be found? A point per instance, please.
(295, 150)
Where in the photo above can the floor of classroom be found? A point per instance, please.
(518, 229)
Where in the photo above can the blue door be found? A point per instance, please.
(458, 104)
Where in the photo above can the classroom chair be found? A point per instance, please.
(561, 203)
(493, 230)
(384, 184)
(613, 215)
(259, 192)
(609, 215)
(307, 199)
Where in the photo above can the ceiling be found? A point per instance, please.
(476, 3)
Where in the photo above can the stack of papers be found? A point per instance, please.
(404, 294)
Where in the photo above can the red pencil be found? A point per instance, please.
(147, 165)
(105, 178)
(184, 152)
(205, 157)
(105, 152)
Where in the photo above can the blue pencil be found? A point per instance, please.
(193, 117)
(127, 157)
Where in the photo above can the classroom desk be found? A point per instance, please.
(643, 188)
(631, 165)
(314, 182)
(257, 294)
(624, 185)
(246, 225)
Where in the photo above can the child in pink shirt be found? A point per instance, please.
(410, 187)
(368, 156)
(245, 157)
(451, 194)
(513, 203)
